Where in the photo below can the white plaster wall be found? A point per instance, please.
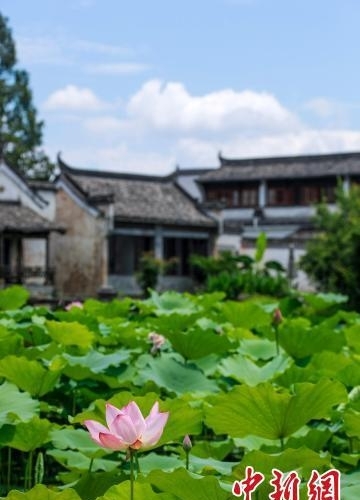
(289, 212)
(238, 213)
(49, 211)
(8, 190)
(301, 280)
(15, 190)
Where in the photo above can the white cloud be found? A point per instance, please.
(170, 107)
(322, 107)
(66, 51)
(120, 68)
(74, 98)
(163, 124)
(203, 152)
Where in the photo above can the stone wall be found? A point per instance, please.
(78, 254)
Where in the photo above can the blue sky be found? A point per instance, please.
(142, 86)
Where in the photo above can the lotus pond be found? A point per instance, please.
(251, 388)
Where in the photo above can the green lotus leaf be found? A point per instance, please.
(350, 486)
(175, 377)
(183, 419)
(173, 323)
(198, 343)
(75, 439)
(245, 314)
(92, 485)
(215, 449)
(40, 492)
(186, 487)
(171, 302)
(141, 492)
(301, 459)
(240, 368)
(70, 334)
(96, 362)
(352, 422)
(29, 435)
(353, 337)
(13, 297)
(152, 461)
(300, 339)
(258, 348)
(321, 301)
(77, 461)
(16, 405)
(113, 309)
(28, 375)
(270, 413)
(10, 342)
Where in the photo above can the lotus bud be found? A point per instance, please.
(277, 317)
(187, 444)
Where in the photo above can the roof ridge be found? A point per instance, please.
(287, 158)
(110, 174)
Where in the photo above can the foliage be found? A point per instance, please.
(248, 392)
(242, 274)
(20, 130)
(332, 257)
(150, 268)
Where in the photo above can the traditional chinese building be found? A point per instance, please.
(27, 220)
(113, 218)
(276, 196)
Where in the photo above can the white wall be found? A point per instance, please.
(12, 188)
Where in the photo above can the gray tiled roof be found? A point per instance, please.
(142, 198)
(291, 167)
(16, 217)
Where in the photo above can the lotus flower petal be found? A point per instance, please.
(113, 442)
(124, 428)
(133, 411)
(111, 413)
(95, 428)
(154, 428)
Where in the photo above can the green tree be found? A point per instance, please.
(20, 130)
(332, 258)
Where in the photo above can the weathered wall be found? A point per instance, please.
(77, 254)
(34, 256)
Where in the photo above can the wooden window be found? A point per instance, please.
(281, 196)
(310, 195)
(125, 253)
(249, 197)
(182, 249)
(316, 193)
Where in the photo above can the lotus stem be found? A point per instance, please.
(137, 462)
(132, 453)
(277, 340)
(28, 471)
(9, 466)
(187, 460)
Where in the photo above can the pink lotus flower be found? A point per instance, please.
(157, 341)
(127, 428)
(76, 303)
